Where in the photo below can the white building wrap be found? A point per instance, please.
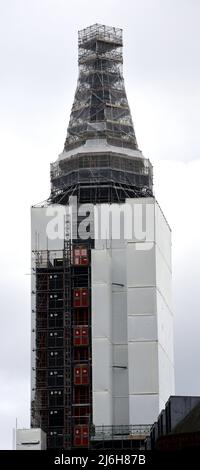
(132, 318)
(142, 367)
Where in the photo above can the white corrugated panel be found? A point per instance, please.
(101, 311)
(101, 337)
(143, 219)
(143, 367)
(141, 267)
(121, 411)
(162, 234)
(48, 222)
(102, 408)
(144, 409)
(163, 278)
(120, 382)
(120, 355)
(165, 327)
(102, 364)
(141, 300)
(166, 375)
(101, 266)
(119, 318)
(142, 328)
(119, 267)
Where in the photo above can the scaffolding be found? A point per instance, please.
(113, 171)
(63, 404)
(63, 395)
(67, 337)
(120, 437)
(100, 117)
(100, 108)
(100, 177)
(99, 32)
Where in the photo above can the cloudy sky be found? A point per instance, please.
(38, 73)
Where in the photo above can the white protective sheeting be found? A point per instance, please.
(142, 328)
(120, 382)
(119, 329)
(102, 408)
(47, 227)
(101, 320)
(165, 326)
(143, 408)
(102, 337)
(143, 367)
(163, 278)
(120, 411)
(102, 365)
(166, 375)
(162, 235)
(141, 300)
(141, 265)
(141, 321)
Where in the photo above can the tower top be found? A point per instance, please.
(100, 110)
(101, 161)
(100, 32)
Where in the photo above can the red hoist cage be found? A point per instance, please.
(82, 347)
(80, 336)
(81, 375)
(81, 297)
(81, 436)
(80, 256)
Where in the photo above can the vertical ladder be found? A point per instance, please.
(67, 337)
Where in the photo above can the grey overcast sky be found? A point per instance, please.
(38, 73)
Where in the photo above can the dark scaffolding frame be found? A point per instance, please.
(115, 169)
(100, 177)
(56, 408)
(100, 108)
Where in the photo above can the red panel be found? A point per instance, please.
(84, 297)
(80, 297)
(80, 256)
(81, 435)
(81, 375)
(80, 337)
(77, 336)
(85, 435)
(85, 339)
(84, 260)
(85, 375)
(77, 435)
(77, 297)
(77, 376)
